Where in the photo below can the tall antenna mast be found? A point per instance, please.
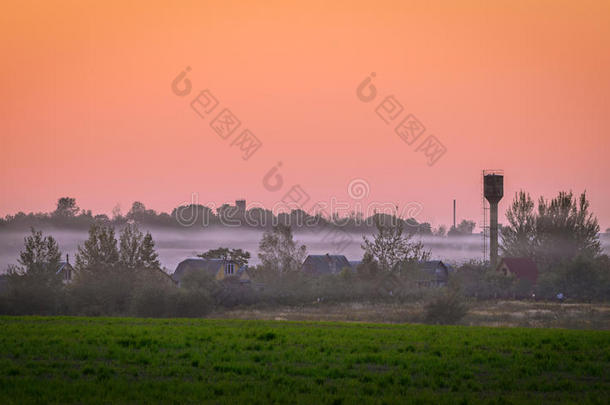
(453, 214)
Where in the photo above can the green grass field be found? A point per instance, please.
(125, 360)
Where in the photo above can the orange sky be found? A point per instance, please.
(87, 108)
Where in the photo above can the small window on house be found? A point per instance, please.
(230, 268)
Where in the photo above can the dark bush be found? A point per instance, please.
(447, 307)
(189, 303)
(150, 301)
(29, 295)
(582, 279)
(102, 294)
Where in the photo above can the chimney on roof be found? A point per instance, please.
(67, 258)
(241, 205)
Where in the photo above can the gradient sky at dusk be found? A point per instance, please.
(87, 108)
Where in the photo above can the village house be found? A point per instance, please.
(317, 265)
(218, 269)
(355, 263)
(66, 271)
(437, 271)
(522, 268)
(161, 276)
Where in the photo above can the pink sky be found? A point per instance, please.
(87, 108)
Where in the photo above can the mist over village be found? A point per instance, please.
(309, 203)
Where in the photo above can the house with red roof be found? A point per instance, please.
(523, 268)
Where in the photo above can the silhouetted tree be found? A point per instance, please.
(193, 214)
(33, 287)
(279, 252)
(140, 214)
(440, 231)
(566, 229)
(116, 213)
(425, 229)
(66, 208)
(464, 228)
(519, 236)
(99, 252)
(369, 267)
(40, 255)
(148, 256)
(137, 208)
(391, 246)
(240, 257)
(136, 250)
(130, 242)
(562, 229)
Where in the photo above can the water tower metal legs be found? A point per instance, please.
(493, 235)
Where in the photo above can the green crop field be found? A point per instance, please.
(126, 360)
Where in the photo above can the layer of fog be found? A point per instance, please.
(175, 246)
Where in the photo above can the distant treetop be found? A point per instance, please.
(69, 215)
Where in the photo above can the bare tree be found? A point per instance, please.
(390, 246)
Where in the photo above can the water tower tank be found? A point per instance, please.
(494, 187)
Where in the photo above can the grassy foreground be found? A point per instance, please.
(125, 360)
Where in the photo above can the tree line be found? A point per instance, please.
(123, 276)
(562, 236)
(69, 215)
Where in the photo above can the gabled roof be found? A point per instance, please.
(164, 276)
(522, 267)
(325, 264)
(436, 268)
(432, 265)
(209, 266)
(355, 263)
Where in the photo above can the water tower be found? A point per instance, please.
(493, 190)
